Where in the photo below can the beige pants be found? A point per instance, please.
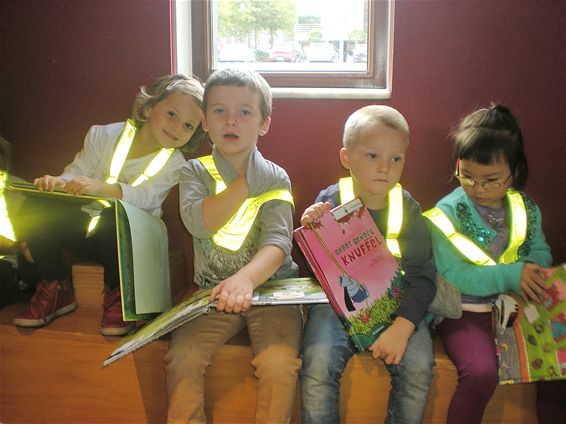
(275, 334)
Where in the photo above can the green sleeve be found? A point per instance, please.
(471, 279)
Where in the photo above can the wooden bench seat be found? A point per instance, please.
(55, 375)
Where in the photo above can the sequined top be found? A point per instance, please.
(476, 280)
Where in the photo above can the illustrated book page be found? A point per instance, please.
(272, 292)
(349, 257)
(531, 337)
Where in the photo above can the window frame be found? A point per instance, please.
(193, 41)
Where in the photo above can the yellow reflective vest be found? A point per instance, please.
(394, 216)
(470, 249)
(119, 157)
(6, 229)
(235, 231)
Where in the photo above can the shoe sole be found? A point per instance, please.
(34, 323)
(117, 331)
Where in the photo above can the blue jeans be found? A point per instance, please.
(325, 353)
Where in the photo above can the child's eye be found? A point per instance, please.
(217, 111)
(171, 114)
(372, 155)
(397, 159)
(246, 112)
(189, 126)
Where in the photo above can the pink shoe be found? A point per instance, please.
(50, 300)
(112, 323)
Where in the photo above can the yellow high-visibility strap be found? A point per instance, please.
(6, 229)
(119, 158)
(394, 215)
(470, 249)
(394, 219)
(464, 245)
(232, 235)
(518, 227)
(208, 163)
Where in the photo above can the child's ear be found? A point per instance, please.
(264, 127)
(147, 112)
(344, 158)
(203, 123)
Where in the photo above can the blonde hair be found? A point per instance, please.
(159, 90)
(368, 116)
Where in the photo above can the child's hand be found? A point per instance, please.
(390, 346)
(48, 183)
(314, 212)
(234, 294)
(533, 283)
(83, 185)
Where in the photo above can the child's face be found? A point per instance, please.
(173, 120)
(233, 120)
(375, 160)
(497, 174)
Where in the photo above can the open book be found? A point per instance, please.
(142, 248)
(531, 337)
(272, 292)
(350, 259)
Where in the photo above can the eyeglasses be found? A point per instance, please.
(486, 185)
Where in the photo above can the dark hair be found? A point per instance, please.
(240, 78)
(490, 134)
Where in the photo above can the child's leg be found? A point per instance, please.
(191, 350)
(275, 335)
(410, 380)
(469, 342)
(325, 352)
(48, 226)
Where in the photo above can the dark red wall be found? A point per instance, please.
(66, 65)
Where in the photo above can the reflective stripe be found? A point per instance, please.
(232, 235)
(6, 228)
(208, 163)
(394, 215)
(470, 249)
(119, 158)
(518, 227)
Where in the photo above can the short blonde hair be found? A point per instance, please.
(168, 84)
(368, 116)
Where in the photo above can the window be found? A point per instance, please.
(304, 48)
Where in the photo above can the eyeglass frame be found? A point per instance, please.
(470, 182)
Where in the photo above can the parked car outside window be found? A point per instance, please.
(287, 52)
(322, 52)
(236, 53)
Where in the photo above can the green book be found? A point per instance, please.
(142, 246)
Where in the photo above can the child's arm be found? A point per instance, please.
(217, 209)
(235, 293)
(390, 346)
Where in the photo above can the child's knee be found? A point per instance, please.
(277, 361)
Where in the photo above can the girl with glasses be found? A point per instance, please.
(487, 239)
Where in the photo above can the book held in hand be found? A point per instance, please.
(531, 337)
(290, 291)
(349, 257)
(142, 246)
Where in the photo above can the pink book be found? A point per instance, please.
(352, 263)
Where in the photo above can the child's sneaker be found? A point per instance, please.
(50, 300)
(112, 323)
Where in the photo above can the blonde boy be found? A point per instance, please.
(375, 143)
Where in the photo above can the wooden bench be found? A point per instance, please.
(55, 375)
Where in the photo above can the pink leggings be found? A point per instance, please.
(470, 344)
